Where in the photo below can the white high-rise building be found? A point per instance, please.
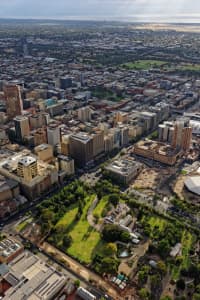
(84, 114)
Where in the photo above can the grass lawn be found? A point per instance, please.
(157, 222)
(184, 172)
(190, 67)
(144, 64)
(100, 207)
(21, 226)
(85, 238)
(186, 241)
(69, 217)
(103, 93)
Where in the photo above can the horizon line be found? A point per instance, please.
(178, 19)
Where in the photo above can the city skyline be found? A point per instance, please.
(124, 10)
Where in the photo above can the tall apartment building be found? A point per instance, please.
(40, 136)
(81, 148)
(13, 99)
(27, 168)
(84, 114)
(117, 137)
(186, 138)
(166, 132)
(177, 136)
(124, 136)
(98, 142)
(22, 128)
(109, 142)
(53, 134)
(104, 127)
(182, 134)
(149, 120)
(121, 117)
(65, 82)
(65, 144)
(38, 120)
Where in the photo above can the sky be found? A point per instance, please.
(130, 10)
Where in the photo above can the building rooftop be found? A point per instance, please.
(82, 136)
(31, 278)
(20, 118)
(27, 160)
(42, 147)
(157, 147)
(64, 157)
(8, 247)
(124, 166)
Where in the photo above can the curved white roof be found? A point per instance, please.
(193, 184)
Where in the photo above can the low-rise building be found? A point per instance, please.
(124, 170)
(66, 164)
(176, 250)
(9, 191)
(9, 249)
(44, 152)
(157, 151)
(85, 294)
(30, 278)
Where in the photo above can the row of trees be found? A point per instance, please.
(51, 210)
(163, 240)
(105, 187)
(113, 233)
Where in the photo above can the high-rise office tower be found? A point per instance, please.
(38, 120)
(65, 145)
(121, 117)
(124, 136)
(81, 148)
(53, 134)
(109, 142)
(98, 142)
(40, 136)
(84, 114)
(13, 99)
(21, 127)
(65, 82)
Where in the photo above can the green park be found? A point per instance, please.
(143, 64)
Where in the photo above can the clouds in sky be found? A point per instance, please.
(101, 9)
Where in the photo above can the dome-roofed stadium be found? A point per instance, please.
(193, 184)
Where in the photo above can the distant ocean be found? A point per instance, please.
(181, 18)
(137, 18)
